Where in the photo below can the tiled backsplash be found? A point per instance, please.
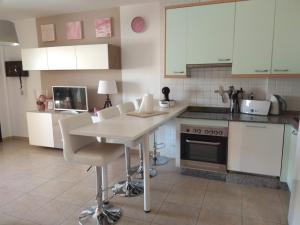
(200, 88)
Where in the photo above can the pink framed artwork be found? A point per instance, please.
(103, 27)
(74, 31)
(47, 32)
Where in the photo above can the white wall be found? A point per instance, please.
(140, 51)
(15, 116)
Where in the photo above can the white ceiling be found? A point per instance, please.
(20, 9)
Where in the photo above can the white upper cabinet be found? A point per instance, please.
(99, 56)
(176, 42)
(286, 51)
(254, 26)
(210, 33)
(61, 58)
(35, 59)
(92, 56)
(80, 57)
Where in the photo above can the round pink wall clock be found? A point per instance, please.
(138, 24)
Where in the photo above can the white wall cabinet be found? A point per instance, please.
(255, 148)
(254, 25)
(176, 29)
(210, 33)
(80, 57)
(102, 56)
(43, 129)
(286, 50)
(35, 59)
(61, 58)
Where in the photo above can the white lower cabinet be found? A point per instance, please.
(43, 129)
(289, 155)
(255, 148)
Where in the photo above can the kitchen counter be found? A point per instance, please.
(289, 117)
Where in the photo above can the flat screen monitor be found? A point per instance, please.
(70, 98)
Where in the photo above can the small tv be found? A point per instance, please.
(70, 98)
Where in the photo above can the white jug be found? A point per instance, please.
(147, 104)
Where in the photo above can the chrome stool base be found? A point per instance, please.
(107, 215)
(160, 160)
(140, 173)
(130, 188)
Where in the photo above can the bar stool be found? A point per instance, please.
(158, 160)
(126, 108)
(129, 187)
(86, 150)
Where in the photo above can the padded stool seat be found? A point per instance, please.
(89, 154)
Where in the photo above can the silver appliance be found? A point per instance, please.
(204, 147)
(255, 107)
(278, 105)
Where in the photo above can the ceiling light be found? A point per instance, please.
(8, 34)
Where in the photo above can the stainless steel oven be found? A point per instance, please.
(203, 147)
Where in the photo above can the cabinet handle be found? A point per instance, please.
(203, 142)
(294, 132)
(178, 72)
(256, 126)
(278, 70)
(261, 71)
(224, 59)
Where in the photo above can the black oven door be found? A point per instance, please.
(212, 149)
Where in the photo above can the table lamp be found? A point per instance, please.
(107, 87)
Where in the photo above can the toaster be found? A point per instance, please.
(255, 107)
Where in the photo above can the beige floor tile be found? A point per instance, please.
(78, 194)
(24, 183)
(211, 217)
(265, 195)
(221, 187)
(186, 196)
(134, 208)
(128, 221)
(9, 194)
(54, 213)
(260, 210)
(26, 206)
(223, 202)
(9, 220)
(37, 183)
(251, 221)
(176, 214)
(52, 188)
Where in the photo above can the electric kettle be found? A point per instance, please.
(278, 105)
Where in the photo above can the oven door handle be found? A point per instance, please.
(203, 142)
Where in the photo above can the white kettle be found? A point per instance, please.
(278, 105)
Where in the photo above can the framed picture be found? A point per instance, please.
(103, 27)
(48, 32)
(74, 30)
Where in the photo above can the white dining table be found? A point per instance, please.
(130, 130)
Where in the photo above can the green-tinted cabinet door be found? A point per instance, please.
(210, 33)
(254, 26)
(286, 50)
(176, 42)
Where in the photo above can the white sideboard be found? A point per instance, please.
(43, 128)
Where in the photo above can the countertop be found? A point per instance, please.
(288, 117)
(129, 128)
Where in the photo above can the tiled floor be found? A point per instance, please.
(37, 187)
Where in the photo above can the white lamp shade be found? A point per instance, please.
(8, 34)
(107, 87)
